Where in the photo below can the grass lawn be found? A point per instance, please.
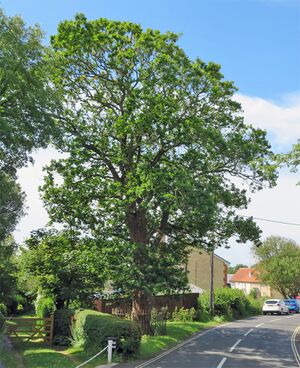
(40, 355)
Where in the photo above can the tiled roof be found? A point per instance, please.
(246, 275)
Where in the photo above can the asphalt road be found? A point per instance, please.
(256, 342)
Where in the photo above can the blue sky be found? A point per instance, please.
(257, 42)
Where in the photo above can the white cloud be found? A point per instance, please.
(281, 121)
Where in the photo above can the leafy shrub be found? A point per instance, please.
(185, 315)
(159, 321)
(230, 303)
(3, 309)
(91, 330)
(44, 306)
(61, 327)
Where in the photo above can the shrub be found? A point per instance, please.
(159, 321)
(44, 306)
(230, 303)
(61, 327)
(3, 310)
(185, 315)
(91, 330)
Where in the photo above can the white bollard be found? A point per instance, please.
(109, 351)
(111, 344)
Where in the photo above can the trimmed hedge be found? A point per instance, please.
(230, 303)
(91, 330)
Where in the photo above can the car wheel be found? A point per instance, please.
(264, 313)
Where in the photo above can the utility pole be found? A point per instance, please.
(211, 291)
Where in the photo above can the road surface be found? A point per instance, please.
(256, 342)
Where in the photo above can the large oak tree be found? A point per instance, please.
(157, 150)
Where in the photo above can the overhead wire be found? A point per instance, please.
(274, 221)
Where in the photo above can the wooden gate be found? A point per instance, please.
(26, 329)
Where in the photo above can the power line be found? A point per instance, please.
(275, 221)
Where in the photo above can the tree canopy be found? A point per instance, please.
(61, 265)
(27, 101)
(234, 269)
(25, 94)
(8, 270)
(292, 158)
(278, 264)
(156, 149)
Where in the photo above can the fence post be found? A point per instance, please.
(112, 344)
(51, 329)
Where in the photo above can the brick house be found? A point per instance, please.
(198, 268)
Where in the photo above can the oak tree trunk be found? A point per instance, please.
(137, 225)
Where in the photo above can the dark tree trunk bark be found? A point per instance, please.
(137, 226)
(141, 311)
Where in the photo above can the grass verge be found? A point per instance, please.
(176, 332)
(39, 355)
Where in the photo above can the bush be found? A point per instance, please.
(44, 306)
(3, 310)
(230, 303)
(61, 327)
(91, 330)
(185, 315)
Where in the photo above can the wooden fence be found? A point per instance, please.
(122, 307)
(26, 329)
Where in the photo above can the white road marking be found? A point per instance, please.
(292, 316)
(276, 319)
(259, 325)
(234, 346)
(247, 333)
(222, 363)
(294, 347)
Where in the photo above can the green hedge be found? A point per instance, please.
(91, 330)
(231, 303)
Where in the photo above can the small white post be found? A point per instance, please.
(109, 351)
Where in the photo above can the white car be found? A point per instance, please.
(275, 306)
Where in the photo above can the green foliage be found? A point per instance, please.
(234, 269)
(229, 303)
(63, 265)
(158, 321)
(185, 315)
(3, 309)
(26, 98)
(92, 329)
(278, 265)
(155, 143)
(11, 204)
(44, 306)
(26, 94)
(292, 158)
(8, 283)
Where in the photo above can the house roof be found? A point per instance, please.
(246, 275)
(222, 259)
